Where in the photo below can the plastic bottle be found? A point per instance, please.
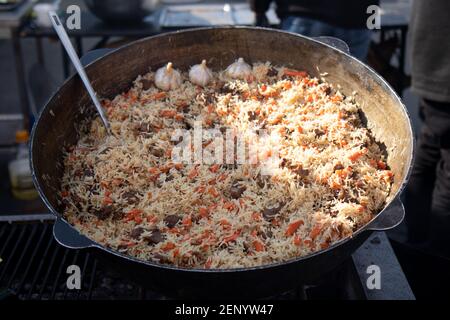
(19, 170)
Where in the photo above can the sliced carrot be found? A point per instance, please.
(134, 214)
(315, 231)
(297, 240)
(214, 168)
(64, 193)
(295, 73)
(336, 98)
(178, 166)
(167, 113)
(179, 117)
(203, 212)
(381, 165)
(292, 227)
(263, 87)
(210, 108)
(193, 173)
(233, 237)
(159, 95)
(168, 246)
(358, 154)
(225, 223)
(153, 170)
(258, 245)
(287, 85)
(256, 216)
(213, 192)
(300, 129)
(229, 205)
(187, 221)
(309, 243)
(324, 245)
(107, 200)
(200, 189)
(176, 253)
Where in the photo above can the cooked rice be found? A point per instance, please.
(125, 192)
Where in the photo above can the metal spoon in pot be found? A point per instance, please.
(59, 28)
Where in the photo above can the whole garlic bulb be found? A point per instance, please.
(239, 69)
(200, 74)
(167, 78)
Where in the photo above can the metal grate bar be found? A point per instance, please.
(61, 265)
(74, 261)
(14, 250)
(33, 256)
(91, 284)
(83, 273)
(22, 255)
(47, 274)
(8, 239)
(41, 264)
(3, 230)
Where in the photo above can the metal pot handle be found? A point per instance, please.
(389, 218)
(68, 237)
(334, 42)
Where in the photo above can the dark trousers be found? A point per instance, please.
(428, 191)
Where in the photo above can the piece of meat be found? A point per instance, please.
(88, 172)
(319, 132)
(146, 84)
(160, 258)
(237, 189)
(142, 128)
(261, 181)
(155, 237)
(105, 212)
(172, 220)
(270, 213)
(157, 152)
(131, 197)
(252, 116)
(272, 72)
(136, 232)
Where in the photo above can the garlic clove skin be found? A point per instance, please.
(239, 69)
(200, 74)
(167, 78)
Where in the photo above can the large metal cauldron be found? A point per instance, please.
(385, 114)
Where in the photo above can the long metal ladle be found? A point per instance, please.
(59, 28)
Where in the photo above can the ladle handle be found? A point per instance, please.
(59, 28)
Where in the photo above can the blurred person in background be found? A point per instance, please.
(428, 191)
(343, 19)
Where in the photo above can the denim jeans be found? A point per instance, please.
(358, 40)
(428, 192)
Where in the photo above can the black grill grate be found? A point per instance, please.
(34, 268)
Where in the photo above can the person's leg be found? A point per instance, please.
(439, 115)
(428, 193)
(420, 187)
